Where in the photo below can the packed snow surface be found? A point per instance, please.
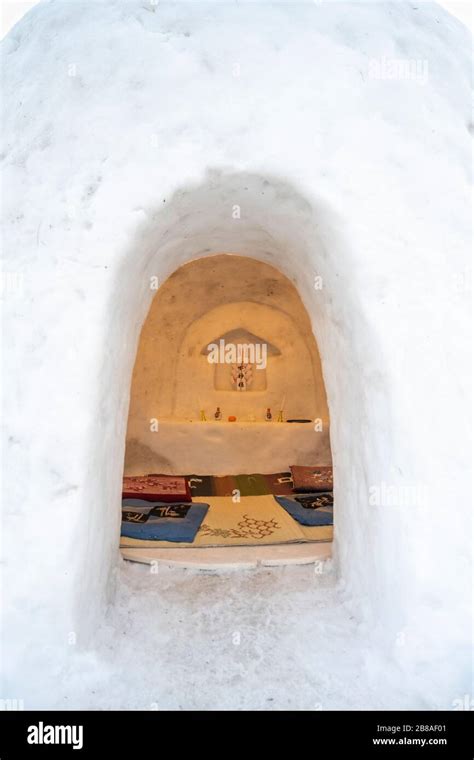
(266, 639)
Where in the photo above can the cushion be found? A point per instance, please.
(315, 500)
(168, 488)
(318, 478)
(161, 521)
(307, 514)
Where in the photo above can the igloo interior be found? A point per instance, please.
(192, 415)
(104, 200)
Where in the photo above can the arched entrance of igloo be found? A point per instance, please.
(227, 393)
(270, 220)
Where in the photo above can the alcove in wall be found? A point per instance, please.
(184, 372)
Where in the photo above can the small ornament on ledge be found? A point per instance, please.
(268, 415)
(282, 406)
(218, 414)
(202, 413)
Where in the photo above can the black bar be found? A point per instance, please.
(377, 734)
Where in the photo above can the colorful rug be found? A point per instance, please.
(311, 512)
(160, 521)
(311, 478)
(279, 483)
(255, 520)
(167, 488)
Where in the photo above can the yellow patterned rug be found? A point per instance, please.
(253, 521)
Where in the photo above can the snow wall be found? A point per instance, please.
(132, 133)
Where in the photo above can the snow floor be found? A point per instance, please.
(264, 639)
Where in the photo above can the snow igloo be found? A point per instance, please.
(143, 140)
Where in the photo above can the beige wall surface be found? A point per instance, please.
(202, 301)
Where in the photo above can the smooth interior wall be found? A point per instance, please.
(173, 380)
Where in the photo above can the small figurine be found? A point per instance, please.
(218, 414)
(203, 416)
(268, 415)
(280, 416)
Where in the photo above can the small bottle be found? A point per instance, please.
(268, 415)
(218, 413)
